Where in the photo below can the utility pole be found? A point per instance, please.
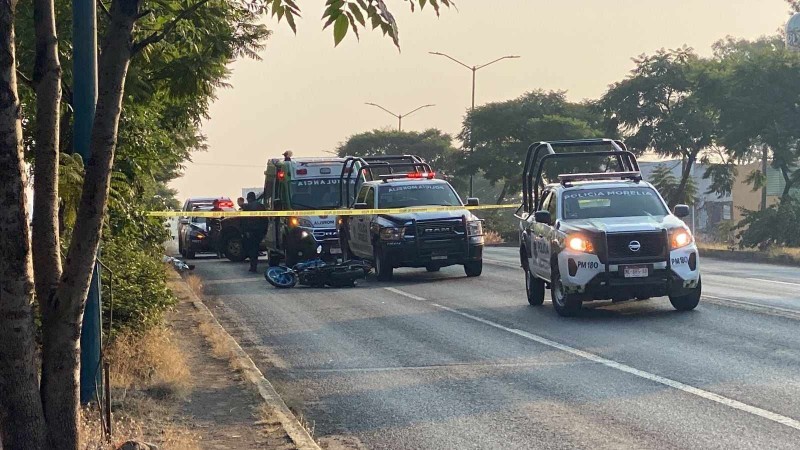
(473, 69)
(84, 100)
(399, 116)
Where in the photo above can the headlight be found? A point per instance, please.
(300, 222)
(392, 234)
(475, 228)
(680, 237)
(580, 244)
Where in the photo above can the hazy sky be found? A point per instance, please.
(307, 96)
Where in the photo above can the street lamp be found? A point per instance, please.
(472, 108)
(399, 116)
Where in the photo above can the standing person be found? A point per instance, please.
(240, 203)
(253, 231)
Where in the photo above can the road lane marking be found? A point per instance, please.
(735, 404)
(434, 367)
(774, 281)
(755, 307)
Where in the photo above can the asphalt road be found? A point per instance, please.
(441, 361)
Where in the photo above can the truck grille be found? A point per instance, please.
(322, 234)
(651, 245)
(437, 229)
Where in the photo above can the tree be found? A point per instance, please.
(665, 183)
(501, 132)
(432, 145)
(43, 414)
(660, 107)
(757, 101)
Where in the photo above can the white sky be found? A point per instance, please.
(307, 96)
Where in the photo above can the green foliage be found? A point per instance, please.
(501, 132)
(777, 225)
(140, 291)
(667, 184)
(348, 14)
(722, 176)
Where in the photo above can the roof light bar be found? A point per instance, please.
(410, 175)
(572, 177)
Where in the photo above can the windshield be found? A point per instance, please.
(612, 202)
(423, 194)
(318, 193)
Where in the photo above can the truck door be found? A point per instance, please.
(271, 239)
(541, 240)
(359, 225)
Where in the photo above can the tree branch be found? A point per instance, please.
(25, 79)
(158, 36)
(104, 8)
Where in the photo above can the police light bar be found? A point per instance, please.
(410, 175)
(226, 204)
(565, 178)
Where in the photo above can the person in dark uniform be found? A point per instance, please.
(240, 203)
(253, 231)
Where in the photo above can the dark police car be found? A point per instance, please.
(419, 239)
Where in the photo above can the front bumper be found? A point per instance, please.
(441, 253)
(303, 245)
(585, 276)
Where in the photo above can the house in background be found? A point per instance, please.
(709, 209)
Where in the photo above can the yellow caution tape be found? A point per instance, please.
(324, 212)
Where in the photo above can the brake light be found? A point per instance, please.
(302, 171)
(226, 204)
(281, 175)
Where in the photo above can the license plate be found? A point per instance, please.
(635, 271)
(336, 251)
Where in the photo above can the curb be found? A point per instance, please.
(285, 416)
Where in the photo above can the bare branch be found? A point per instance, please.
(25, 79)
(104, 8)
(158, 36)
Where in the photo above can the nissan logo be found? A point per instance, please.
(634, 246)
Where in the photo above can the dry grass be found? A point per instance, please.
(492, 237)
(221, 346)
(151, 361)
(778, 254)
(195, 283)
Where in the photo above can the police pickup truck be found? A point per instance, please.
(602, 235)
(419, 239)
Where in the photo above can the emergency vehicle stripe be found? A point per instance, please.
(324, 212)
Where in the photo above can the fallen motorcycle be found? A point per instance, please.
(317, 273)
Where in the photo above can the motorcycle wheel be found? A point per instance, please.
(281, 277)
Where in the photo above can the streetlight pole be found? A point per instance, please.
(474, 70)
(399, 117)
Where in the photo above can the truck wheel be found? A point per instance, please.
(233, 249)
(189, 254)
(689, 301)
(383, 269)
(473, 268)
(565, 304)
(534, 287)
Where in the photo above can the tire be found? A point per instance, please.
(473, 268)
(383, 270)
(432, 268)
(565, 305)
(280, 277)
(534, 288)
(190, 254)
(233, 248)
(689, 301)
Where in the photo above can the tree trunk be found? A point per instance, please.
(60, 360)
(23, 422)
(47, 84)
(788, 182)
(686, 172)
(764, 154)
(503, 193)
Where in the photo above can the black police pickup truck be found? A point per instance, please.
(419, 239)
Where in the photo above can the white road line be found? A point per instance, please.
(722, 300)
(501, 263)
(783, 420)
(774, 281)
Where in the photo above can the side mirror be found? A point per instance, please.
(681, 211)
(473, 201)
(542, 217)
(360, 206)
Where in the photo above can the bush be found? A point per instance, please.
(141, 295)
(778, 225)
